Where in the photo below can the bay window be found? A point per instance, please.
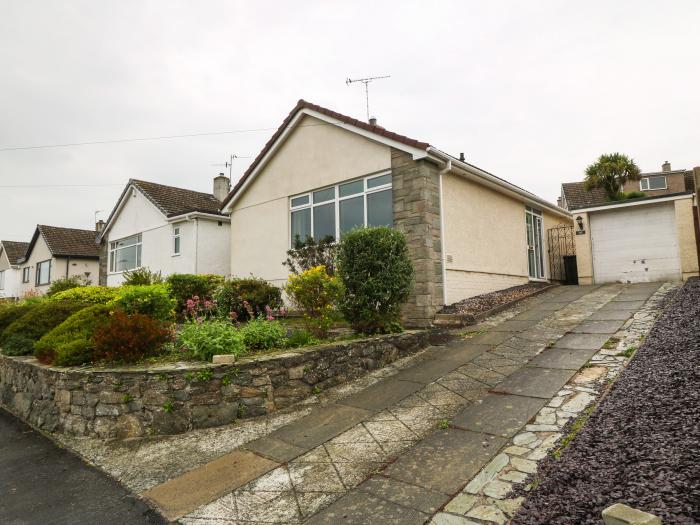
(333, 211)
(125, 254)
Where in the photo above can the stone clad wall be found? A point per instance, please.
(132, 402)
(416, 195)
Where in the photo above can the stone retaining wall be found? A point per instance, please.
(170, 399)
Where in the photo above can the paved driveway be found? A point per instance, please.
(42, 484)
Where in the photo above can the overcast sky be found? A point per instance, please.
(530, 91)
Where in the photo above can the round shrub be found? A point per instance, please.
(210, 338)
(376, 271)
(260, 334)
(141, 277)
(17, 345)
(9, 314)
(67, 283)
(244, 299)
(129, 338)
(70, 343)
(42, 318)
(88, 294)
(315, 294)
(153, 300)
(184, 286)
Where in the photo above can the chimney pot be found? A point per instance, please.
(461, 157)
(99, 226)
(666, 166)
(373, 121)
(222, 185)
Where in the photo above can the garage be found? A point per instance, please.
(635, 244)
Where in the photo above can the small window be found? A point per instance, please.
(657, 182)
(324, 195)
(300, 201)
(43, 273)
(25, 274)
(2, 280)
(176, 240)
(351, 188)
(382, 180)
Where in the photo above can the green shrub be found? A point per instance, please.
(42, 318)
(32, 297)
(70, 343)
(260, 334)
(9, 314)
(67, 283)
(316, 294)
(184, 286)
(310, 254)
(130, 338)
(88, 294)
(141, 277)
(204, 340)
(376, 271)
(243, 299)
(153, 300)
(16, 344)
(299, 338)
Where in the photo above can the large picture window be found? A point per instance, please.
(43, 273)
(332, 211)
(125, 254)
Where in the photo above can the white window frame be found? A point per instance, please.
(26, 274)
(2, 279)
(540, 259)
(113, 249)
(646, 179)
(177, 240)
(337, 200)
(37, 273)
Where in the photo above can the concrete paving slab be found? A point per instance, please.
(445, 460)
(182, 495)
(565, 358)
(491, 338)
(514, 326)
(633, 296)
(358, 507)
(611, 315)
(582, 341)
(382, 394)
(461, 352)
(274, 449)
(598, 327)
(499, 414)
(535, 382)
(427, 371)
(319, 426)
(532, 315)
(551, 306)
(622, 305)
(411, 496)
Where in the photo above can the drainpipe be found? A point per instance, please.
(196, 244)
(444, 171)
(67, 266)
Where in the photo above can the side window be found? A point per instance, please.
(176, 240)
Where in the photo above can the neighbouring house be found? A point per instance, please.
(56, 253)
(11, 252)
(651, 238)
(167, 230)
(323, 173)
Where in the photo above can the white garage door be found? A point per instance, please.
(635, 244)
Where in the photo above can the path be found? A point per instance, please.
(41, 483)
(378, 456)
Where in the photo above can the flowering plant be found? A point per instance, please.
(199, 310)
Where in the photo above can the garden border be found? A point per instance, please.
(135, 401)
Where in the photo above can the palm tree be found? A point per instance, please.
(610, 172)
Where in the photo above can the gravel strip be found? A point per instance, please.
(640, 447)
(482, 303)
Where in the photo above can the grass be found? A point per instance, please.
(611, 343)
(444, 424)
(576, 427)
(629, 352)
(472, 333)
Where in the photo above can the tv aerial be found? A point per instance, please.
(366, 82)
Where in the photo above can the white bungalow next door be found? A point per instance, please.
(535, 256)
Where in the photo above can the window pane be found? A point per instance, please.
(324, 221)
(42, 272)
(379, 181)
(177, 244)
(657, 183)
(380, 209)
(351, 188)
(301, 225)
(126, 258)
(324, 195)
(300, 201)
(352, 214)
(129, 240)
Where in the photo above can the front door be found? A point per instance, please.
(535, 256)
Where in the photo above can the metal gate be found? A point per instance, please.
(560, 242)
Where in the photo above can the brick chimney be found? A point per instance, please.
(222, 185)
(666, 166)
